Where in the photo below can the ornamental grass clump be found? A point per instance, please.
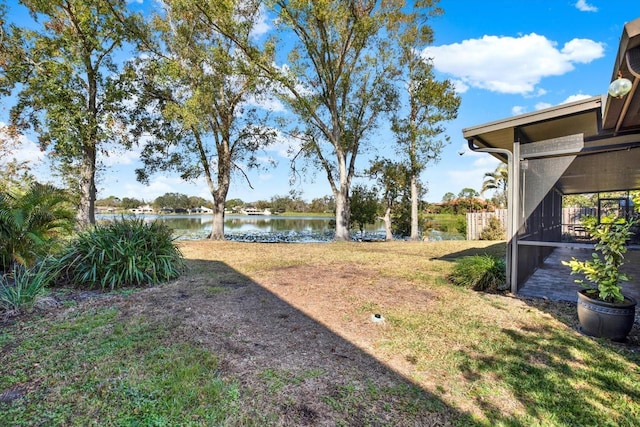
(122, 253)
(480, 273)
(602, 271)
(20, 287)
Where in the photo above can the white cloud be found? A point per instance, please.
(582, 50)
(21, 148)
(572, 98)
(583, 6)
(267, 102)
(576, 97)
(516, 110)
(284, 145)
(121, 156)
(158, 187)
(460, 86)
(542, 105)
(513, 65)
(261, 25)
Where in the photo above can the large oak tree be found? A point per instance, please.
(427, 104)
(60, 65)
(196, 96)
(337, 78)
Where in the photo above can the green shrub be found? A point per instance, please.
(480, 273)
(494, 230)
(122, 253)
(20, 287)
(33, 222)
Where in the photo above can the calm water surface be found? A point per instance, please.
(260, 228)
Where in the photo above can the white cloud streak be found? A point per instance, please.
(583, 6)
(512, 65)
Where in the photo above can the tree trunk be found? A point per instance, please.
(387, 224)
(86, 214)
(217, 228)
(343, 213)
(414, 209)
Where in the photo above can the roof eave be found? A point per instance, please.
(546, 114)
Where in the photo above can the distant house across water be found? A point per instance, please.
(142, 209)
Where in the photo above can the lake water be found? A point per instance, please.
(260, 228)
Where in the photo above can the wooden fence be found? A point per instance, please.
(477, 221)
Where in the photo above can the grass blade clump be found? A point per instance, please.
(21, 286)
(480, 273)
(122, 253)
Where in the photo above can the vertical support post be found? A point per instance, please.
(512, 208)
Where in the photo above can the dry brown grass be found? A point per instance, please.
(291, 325)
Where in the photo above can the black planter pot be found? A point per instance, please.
(604, 319)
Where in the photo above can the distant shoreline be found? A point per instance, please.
(162, 214)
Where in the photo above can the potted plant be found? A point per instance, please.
(603, 311)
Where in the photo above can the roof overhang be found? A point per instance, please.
(608, 157)
(566, 119)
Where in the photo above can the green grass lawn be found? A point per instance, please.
(467, 358)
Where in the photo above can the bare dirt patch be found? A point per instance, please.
(293, 325)
(296, 331)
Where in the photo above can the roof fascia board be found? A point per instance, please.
(551, 113)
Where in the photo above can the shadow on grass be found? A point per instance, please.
(498, 249)
(297, 371)
(212, 348)
(559, 378)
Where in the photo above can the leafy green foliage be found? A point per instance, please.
(498, 181)
(172, 200)
(480, 273)
(394, 181)
(446, 222)
(338, 82)
(116, 372)
(32, 223)
(364, 207)
(20, 287)
(61, 62)
(122, 253)
(419, 124)
(603, 269)
(494, 230)
(196, 95)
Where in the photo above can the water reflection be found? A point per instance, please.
(263, 228)
(253, 228)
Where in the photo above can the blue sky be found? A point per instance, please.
(506, 57)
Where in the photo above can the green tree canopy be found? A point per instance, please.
(393, 178)
(427, 103)
(338, 79)
(32, 223)
(194, 93)
(173, 201)
(364, 207)
(61, 64)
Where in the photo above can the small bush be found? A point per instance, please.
(122, 253)
(20, 287)
(494, 230)
(33, 223)
(480, 273)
